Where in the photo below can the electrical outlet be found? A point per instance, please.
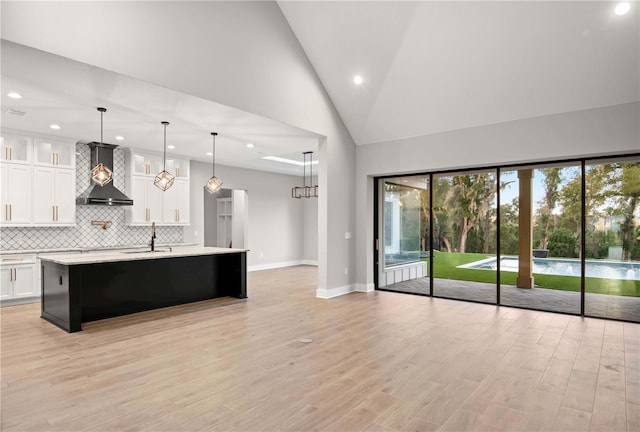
(346, 270)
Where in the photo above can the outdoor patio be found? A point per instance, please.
(596, 305)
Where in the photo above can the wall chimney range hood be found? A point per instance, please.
(107, 194)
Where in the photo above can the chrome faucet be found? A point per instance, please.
(152, 243)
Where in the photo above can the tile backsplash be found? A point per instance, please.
(84, 234)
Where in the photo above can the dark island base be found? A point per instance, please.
(75, 294)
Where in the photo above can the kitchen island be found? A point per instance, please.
(83, 288)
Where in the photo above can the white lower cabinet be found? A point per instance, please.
(18, 277)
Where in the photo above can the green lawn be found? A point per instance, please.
(445, 266)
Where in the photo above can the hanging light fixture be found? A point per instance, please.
(164, 180)
(304, 191)
(100, 174)
(214, 183)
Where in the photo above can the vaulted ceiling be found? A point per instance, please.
(433, 66)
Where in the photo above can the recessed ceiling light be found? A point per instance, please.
(171, 147)
(120, 138)
(250, 145)
(357, 79)
(14, 95)
(209, 154)
(622, 8)
(54, 126)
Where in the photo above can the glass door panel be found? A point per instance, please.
(464, 236)
(540, 228)
(612, 245)
(404, 234)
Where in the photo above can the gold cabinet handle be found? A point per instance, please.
(53, 212)
(12, 259)
(10, 153)
(177, 171)
(10, 215)
(6, 212)
(15, 274)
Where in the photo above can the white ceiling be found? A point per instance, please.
(66, 92)
(434, 66)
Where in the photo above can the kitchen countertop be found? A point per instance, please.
(116, 256)
(92, 248)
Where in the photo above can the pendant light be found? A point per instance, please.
(164, 180)
(100, 174)
(214, 183)
(305, 191)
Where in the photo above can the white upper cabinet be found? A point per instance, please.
(178, 167)
(54, 196)
(54, 153)
(15, 193)
(145, 163)
(175, 203)
(15, 148)
(150, 204)
(38, 180)
(147, 201)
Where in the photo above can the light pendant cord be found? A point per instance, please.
(102, 111)
(164, 158)
(213, 169)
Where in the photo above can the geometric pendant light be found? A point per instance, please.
(164, 180)
(100, 174)
(214, 183)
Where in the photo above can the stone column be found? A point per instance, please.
(525, 230)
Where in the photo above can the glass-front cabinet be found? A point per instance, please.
(15, 148)
(50, 152)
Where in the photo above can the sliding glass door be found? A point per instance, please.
(612, 233)
(540, 227)
(568, 236)
(464, 235)
(404, 243)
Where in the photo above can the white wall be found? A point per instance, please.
(242, 54)
(594, 132)
(279, 231)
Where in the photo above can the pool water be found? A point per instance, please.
(565, 267)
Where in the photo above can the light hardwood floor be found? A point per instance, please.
(378, 361)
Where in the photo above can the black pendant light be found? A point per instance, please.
(304, 191)
(164, 180)
(214, 183)
(100, 174)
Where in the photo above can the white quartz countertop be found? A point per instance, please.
(116, 256)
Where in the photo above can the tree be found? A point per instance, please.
(625, 178)
(552, 180)
(562, 243)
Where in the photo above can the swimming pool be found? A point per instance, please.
(564, 267)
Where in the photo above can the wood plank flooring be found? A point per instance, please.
(380, 361)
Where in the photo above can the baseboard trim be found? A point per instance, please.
(334, 292)
(365, 287)
(19, 301)
(281, 264)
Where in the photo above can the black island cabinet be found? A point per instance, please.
(78, 289)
